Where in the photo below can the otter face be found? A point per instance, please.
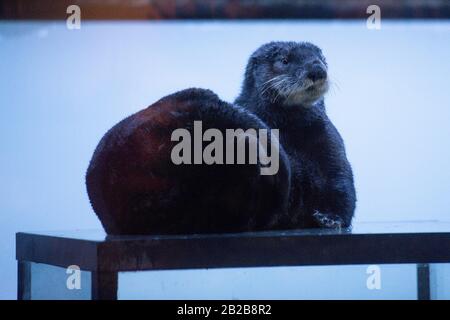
(290, 73)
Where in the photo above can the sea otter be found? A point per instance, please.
(135, 186)
(284, 86)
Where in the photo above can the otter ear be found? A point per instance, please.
(253, 61)
(249, 70)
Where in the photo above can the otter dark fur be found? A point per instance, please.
(135, 188)
(284, 86)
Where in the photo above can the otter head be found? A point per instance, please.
(287, 73)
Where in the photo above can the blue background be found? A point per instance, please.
(60, 90)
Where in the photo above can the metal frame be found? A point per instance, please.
(105, 258)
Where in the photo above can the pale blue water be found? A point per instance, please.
(60, 90)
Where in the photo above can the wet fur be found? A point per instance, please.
(134, 187)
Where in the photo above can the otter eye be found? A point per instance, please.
(284, 61)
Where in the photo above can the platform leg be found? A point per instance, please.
(104, 285)
(23, 280)
(423, 281)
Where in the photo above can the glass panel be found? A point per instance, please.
(51, 282)
(316, 282)
(440, 281)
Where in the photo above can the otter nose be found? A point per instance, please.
(317, 73)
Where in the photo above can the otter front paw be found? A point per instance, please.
(326, 220)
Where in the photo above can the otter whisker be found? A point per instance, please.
(280, 86)
(334, 82)
(274, 85)
(267, 88)
(333, 85)
(270, 83)
(296, 87)
(272, 79)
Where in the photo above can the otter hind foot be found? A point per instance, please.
(326, 220)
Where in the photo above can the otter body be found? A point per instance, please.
(284, 86)
(136, 188)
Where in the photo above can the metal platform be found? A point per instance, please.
(104, 256)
